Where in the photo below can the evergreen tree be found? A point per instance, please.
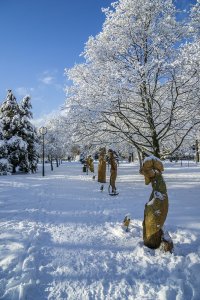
(29, 135)
(9, 116)
(10, 120)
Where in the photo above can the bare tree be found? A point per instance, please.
(132, 84)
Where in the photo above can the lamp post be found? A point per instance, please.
(43, 131)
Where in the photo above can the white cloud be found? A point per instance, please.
(51, 78)
(23, 91)
(47, 80)
(48, 77)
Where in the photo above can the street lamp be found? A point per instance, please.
(43, 131)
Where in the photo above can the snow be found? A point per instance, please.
(61, 238)
(151, 157)
(16, 140)
(3, 161)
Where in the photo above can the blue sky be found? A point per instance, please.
(39, 39)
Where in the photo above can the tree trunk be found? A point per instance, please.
(51, 165)
(156, 146)
(197, 151)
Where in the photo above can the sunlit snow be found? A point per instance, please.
(61, 238)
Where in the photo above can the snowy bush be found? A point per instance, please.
(5, 167)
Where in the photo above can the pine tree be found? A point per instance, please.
(10, 120)
(9, 116)
(29, 135)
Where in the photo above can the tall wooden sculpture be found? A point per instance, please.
(156, 208)
(102, 166)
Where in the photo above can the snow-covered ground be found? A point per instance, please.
(61, 238)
